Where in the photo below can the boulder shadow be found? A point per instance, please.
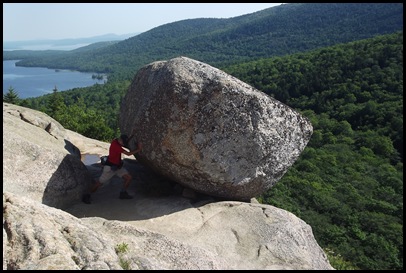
(154, 196)
(67, 184)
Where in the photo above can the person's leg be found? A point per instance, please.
(127, 180)
(105, 176)
(125, 175)
(95, 186)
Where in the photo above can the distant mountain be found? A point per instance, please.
(95, 46)
(26, 54)
(57, 44)
(276, 31)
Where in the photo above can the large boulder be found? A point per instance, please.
(210, 131)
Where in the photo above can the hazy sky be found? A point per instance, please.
(31, 21)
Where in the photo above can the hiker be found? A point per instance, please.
(114, 166)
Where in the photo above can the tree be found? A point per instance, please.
(55, 104)
(85, 121)
(11, 96)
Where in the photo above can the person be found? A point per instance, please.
(114, 166)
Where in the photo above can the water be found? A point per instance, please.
(37, 81)
(90, 159)
(44, 47)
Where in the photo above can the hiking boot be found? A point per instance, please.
(86, 199)
(125, 195)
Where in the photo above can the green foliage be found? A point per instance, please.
(124, 263)
(85, 121)
(348, 182)
(55, 104)
(339, 86)
(11, 96)
(121, 248)
(92, 111)
(337, 261)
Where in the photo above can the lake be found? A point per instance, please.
(37, 81)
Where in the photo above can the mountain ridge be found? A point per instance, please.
(276, 31)
(22, 44)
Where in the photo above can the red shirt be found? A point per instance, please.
(115, 152)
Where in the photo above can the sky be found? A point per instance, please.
(35, 21)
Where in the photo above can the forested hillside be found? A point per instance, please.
(277, 31)
(348, 182)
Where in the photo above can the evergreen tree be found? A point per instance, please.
(55, 104)
(11, 96)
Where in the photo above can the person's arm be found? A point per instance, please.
(139, 148)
